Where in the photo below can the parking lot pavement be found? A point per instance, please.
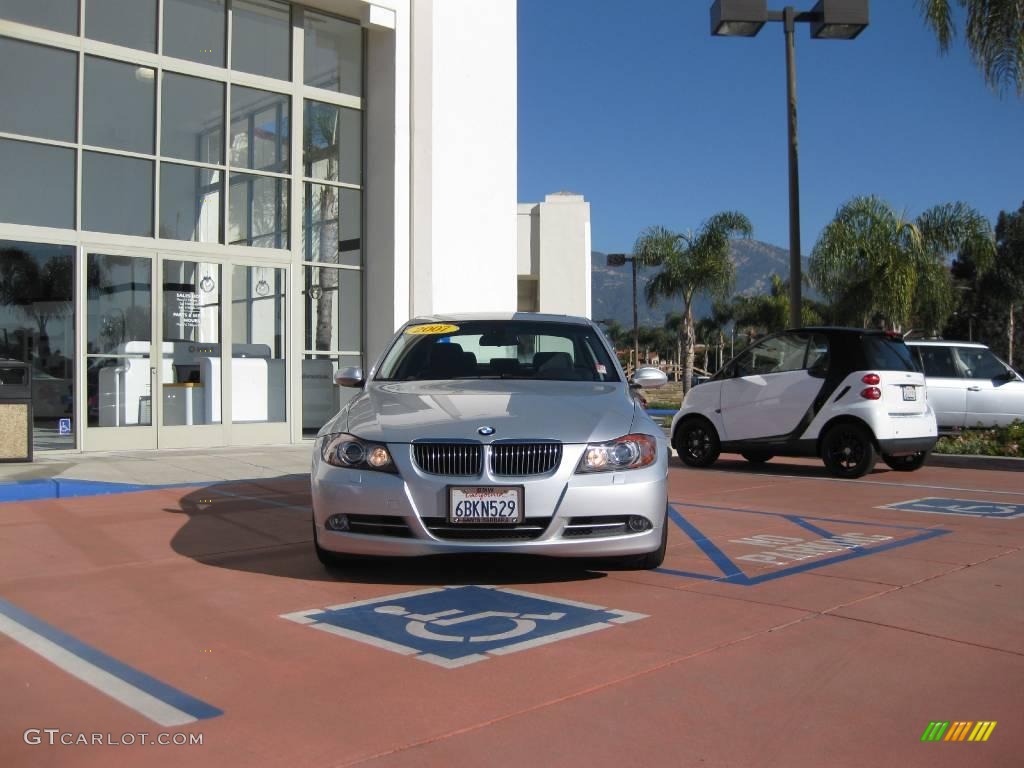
(797, 620)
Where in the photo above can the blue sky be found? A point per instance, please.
(637, 107)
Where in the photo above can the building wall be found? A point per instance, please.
(464, 163)
(554, 251)
(438, 187)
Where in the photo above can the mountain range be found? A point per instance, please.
(612, 291)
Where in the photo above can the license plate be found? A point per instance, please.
(485, 504)
(909, 392)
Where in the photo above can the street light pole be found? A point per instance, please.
(795, 262)
(829, 20)
(617, 260)
(636, 324)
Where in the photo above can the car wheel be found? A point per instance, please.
(327, 558)
(848, 450)
(907, 463)
(645, 562)
(697, 443)
(756, 457)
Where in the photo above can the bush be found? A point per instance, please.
(1001, 441)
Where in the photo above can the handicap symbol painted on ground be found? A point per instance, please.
(455, 626)
(968, 507)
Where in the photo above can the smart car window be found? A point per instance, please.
(817, 352)
(492, 349)
(888, 353)
(980, 363)
(777, 354)
(938, 362)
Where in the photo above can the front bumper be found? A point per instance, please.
(560, 497)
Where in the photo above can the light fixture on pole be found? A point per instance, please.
(617, 260)
(829, 20)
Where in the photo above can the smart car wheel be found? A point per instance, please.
(756, 457)
(848, 450)
(907, 463)
(697, 443)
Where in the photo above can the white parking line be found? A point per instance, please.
(862, 481)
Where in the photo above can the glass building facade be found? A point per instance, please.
(181, 217)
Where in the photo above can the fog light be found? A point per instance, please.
(638, 524)
(337, 523)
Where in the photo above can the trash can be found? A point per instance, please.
(15, 411)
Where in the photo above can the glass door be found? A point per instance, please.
(120, 373)
(189, 367)
(258, 368)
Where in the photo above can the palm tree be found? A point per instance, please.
(995, 35)
(872, 262)
(768, 313)
(693, 264)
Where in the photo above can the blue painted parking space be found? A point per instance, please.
(966, 507)
(832, 542)
(455, 626)
(59, 488)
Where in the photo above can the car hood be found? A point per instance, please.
(568, 411)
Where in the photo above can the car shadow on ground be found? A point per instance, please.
(264, 526)
(779, 465)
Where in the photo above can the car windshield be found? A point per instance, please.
(498, 349)
(888, 353)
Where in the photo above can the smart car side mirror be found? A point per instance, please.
(349, 377)
(649, 378)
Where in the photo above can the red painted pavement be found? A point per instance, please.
(842, 665)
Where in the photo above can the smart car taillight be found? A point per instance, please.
(871, 393)
(872, 379)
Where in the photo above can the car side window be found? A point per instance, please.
(776, 354)
(938, 362)
(817, 353)
(980, 363)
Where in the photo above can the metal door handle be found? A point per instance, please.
(974, 389)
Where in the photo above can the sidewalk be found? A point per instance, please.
(156, 468)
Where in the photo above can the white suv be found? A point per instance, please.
(846, 395)
(968, 386)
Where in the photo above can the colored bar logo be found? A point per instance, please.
(958, 730)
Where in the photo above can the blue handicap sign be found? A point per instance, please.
(969, 507)
(455, 626)
(64, 426)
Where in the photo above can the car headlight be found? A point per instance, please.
(349, 452)
(626, 452)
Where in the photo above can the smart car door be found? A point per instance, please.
(947, 388)
(994, 393)
(770, 390)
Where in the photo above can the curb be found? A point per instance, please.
(968, 461)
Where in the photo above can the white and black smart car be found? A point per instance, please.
(846, 395)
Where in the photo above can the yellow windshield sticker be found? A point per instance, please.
(431, 330)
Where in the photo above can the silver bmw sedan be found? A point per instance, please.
(511, 433)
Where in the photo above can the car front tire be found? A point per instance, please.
(697, 443)
(645, 562)
(848, 450)
(907, 463)
(328, 559)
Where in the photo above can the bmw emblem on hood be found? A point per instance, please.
(486, 430)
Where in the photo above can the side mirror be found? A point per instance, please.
(349, 377)
(1006, 375)
(649, 378)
